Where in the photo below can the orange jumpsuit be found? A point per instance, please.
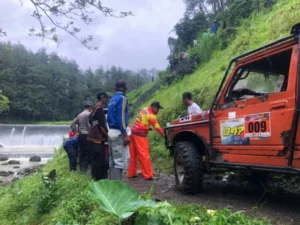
(139, 144)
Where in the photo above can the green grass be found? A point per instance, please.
(254, 32)
(197, 215)
(29, 201)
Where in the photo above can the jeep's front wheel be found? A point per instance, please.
(188, 167)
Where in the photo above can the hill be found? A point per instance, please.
(257, 30)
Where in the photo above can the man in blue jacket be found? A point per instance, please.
(117, 118)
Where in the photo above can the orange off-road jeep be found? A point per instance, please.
(253, 122)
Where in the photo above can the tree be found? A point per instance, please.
(42, 86)
(3, 103)
(195, 6)
(172, 43)
(187, 29)
(208, 7)
(53, 15)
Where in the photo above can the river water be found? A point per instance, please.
(20, 142)
(12, 135)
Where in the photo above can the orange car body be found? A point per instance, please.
(260, 132)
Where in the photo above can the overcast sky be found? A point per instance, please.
(132, 43)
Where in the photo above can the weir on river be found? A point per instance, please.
(20, 142)
(12, 135)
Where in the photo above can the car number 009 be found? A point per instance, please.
(256, 127)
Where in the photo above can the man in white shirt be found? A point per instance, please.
(193, 108)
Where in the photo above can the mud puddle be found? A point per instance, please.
(256, 200)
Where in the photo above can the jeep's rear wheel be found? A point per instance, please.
(188, 167)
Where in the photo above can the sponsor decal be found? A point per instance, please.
(185, 119)
(233, 132)
(257, 126)
(231, 115)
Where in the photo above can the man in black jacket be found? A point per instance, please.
(98, 135)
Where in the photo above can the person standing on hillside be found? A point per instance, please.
(139, 144)
(98, 135)
(82, 121)
(193, 108)
(117, 118)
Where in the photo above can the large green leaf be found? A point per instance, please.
(118, 198)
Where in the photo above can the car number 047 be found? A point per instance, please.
(236, 131)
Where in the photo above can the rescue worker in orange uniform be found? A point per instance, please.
(139, 144)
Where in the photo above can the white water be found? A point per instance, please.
(12, 135)
(26, 152)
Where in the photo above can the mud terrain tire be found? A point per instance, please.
(188, 167)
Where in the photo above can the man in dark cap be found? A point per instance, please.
(139, 144)
(98, 136)
(117, 118)
(82, 121)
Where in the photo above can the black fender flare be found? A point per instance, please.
(194, 137)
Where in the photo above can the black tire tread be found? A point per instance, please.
(193, 167)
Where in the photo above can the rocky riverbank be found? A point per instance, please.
(12, 169)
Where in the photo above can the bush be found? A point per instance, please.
(38, 200)
(238, 10)
(205, 47)
(3, 103)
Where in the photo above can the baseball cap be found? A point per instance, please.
(102, 95)
(87, 103)
(157, 105)
(71, 134)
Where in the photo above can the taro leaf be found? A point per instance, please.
(142, 203)
(117, 197)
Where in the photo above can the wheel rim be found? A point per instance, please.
(179, 169)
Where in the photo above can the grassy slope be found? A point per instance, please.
(28, 201)
(134, 95)
(203, 83)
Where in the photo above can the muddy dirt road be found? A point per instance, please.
(281, 208)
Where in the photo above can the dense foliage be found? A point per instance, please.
(203, 19)
(3, 103)
(124, 202)
(42, 86)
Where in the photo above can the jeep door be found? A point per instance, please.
(254, 114)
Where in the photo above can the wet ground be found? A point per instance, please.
(256, 200)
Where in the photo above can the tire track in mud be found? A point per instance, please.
(256, 200)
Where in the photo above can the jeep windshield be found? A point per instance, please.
(266, 76)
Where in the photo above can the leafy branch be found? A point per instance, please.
(2, 33)
(63, 14)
